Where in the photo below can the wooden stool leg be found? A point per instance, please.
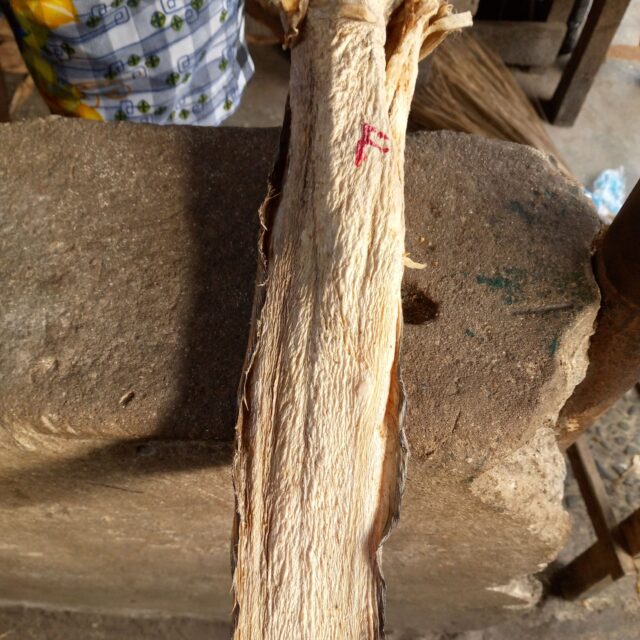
(601, 24)
(609, 558)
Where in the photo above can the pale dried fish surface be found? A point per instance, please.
(320, 454)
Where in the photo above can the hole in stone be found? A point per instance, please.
(417, 306)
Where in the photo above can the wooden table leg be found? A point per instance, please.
(600, 27)
(614, 350)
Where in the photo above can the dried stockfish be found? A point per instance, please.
(319, 460)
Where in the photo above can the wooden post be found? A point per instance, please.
(600, 27)
(614, 352)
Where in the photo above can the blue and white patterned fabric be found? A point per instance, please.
(157, 61)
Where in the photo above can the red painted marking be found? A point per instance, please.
(366, 141)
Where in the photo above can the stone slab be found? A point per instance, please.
(126, 274)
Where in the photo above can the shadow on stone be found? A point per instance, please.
(223, 256)
(217, 237)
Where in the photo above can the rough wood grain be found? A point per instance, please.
(319, 464)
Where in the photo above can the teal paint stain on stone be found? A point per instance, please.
(574, 287)
(553, 346)
(495, 282)
(520, 211)
(509, 282)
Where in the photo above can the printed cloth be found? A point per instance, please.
(157, 61)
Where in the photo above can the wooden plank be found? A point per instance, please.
(630, 533)
(587, 573)
(608, 559)
(531, 44)
(592, 488)
(597, 503)
(600, 27)
(590, 571)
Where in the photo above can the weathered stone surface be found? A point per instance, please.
(126, 273)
